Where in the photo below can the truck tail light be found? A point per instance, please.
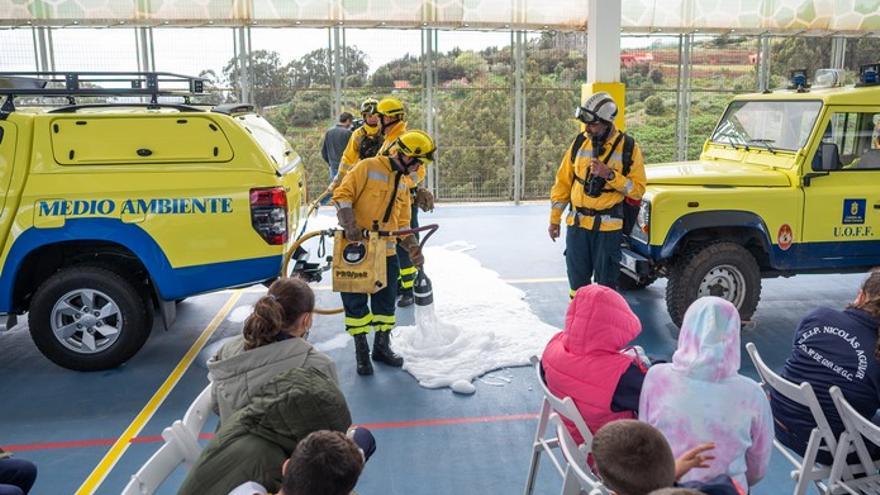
(269, 214)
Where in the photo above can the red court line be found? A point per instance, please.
(106, 442)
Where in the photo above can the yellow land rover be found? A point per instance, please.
(788, 183)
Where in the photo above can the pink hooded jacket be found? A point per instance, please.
(584, 361)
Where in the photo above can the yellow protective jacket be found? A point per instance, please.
(368, 189)
(396, 130)
(351, 156)
(568, 190)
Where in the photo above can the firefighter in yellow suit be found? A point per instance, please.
(392, 115)
(365, 142)
(603, 168)
(375, 195)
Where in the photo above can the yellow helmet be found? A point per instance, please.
(392, 107)
(416, 144)
(369, 105)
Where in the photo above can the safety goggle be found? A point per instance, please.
(425, 158)
(586, 116)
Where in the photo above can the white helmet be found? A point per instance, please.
(598, 107)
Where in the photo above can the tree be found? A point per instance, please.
(655, 106)
(270, 81)
(472, 64)
(316, 67)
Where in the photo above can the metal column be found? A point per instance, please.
(683, 106)
(44, 55)
(242, 46)
(336, 53)
(519, 114)
(838, 52)
(429, 46)
(764, 63)
(144, 43)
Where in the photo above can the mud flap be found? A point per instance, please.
(168, 309)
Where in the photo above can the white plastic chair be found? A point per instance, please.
(807, 470)
(577, 478)
(541, 444)
(857, 429)
(198, 413)
(181, 447)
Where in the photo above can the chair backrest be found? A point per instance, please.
(198, 413)
(576, 459)
(857, 426)
(158, 468)
(565, 407)
(802, 394)
(181, 447)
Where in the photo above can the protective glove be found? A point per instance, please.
(413, 249)
(424, 199)
(553, 230)
(347, 222)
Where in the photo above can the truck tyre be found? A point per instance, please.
(723, 269)
(88, 318)
(627, 283)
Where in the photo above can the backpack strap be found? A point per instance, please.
(627, 156)
(398, 174)
(576, 146)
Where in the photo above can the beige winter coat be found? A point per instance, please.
(237, 375)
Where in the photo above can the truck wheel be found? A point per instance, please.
(724, 269)
(627, 283)
(88, 318)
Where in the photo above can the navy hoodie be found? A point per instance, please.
(830, 348)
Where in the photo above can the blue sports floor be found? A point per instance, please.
(430, 441)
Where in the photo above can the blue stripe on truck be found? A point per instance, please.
(172, 283)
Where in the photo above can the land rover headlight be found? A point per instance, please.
(644, 219)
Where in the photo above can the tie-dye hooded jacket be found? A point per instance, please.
(700, 397)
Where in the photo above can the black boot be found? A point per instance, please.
(406, 298)
(382, 350)
(362, 353)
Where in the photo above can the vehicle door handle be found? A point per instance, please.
(877, 206)
(144, 152)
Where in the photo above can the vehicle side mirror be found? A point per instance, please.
(827, 158)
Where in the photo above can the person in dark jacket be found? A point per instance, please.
(17, 476)
(335, 141)
(254, 443)
(831, 348)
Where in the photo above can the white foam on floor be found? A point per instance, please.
(478, 323)
(240, 313)
(340, 341)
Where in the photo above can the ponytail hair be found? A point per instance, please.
(287, 300)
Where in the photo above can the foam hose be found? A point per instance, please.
(285, 263)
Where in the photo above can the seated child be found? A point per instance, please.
(633, 458)
(588, 361)
(701, 397)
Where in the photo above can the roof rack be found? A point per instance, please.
(74, 84)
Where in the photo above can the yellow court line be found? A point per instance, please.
(91, 484)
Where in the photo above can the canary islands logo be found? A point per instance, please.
(854, 211)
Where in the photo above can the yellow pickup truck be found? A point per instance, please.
(788, 183)
(109, 210)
